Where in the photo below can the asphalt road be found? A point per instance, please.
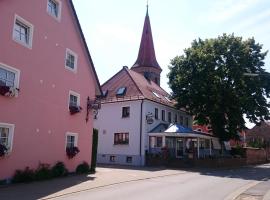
(199, 185)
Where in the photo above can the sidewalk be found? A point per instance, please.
(261, 191)
(59, 187)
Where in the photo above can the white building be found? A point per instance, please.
(134, 105)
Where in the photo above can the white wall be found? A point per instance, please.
(110, 121)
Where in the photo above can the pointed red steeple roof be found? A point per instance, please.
(146, 55)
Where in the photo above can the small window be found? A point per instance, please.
(54, 8)
(23, 32)
(112, 158)
(175, 118)
(71, 60)
(129, 159)
(187, 123)
(163, 115)
(156, 113)
(125, 112)
(121, 91)
(156, 95)
(159, 142)
(168, 99)
(181, 120)
(121, 138)
(9, 77)
(71, 140)
(6, 135)
(104, 93)
(74, 99)
(169, 117)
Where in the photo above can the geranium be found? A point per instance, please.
(3, 150)
(72, 151)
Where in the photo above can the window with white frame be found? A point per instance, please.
(9, 76)
(71, 60)
(71, 140)
(6, 135)
(74, 99)
(54, 8)
(23, 31)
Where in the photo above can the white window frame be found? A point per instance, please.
(74, 94)
(11, 128)
(76, 136)
(58, 18)
(31, 31)
(17, 74)
(68, 51)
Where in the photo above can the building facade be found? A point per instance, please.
(134, 105)
(46, 77)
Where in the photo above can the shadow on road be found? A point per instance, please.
(36, 190)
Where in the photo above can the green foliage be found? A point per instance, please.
(43, 172)
(238, 151)
(209, 81)
(94, 150)
(59, 170)
(83, 168)
(26, 175)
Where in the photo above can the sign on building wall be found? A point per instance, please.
(149, 118)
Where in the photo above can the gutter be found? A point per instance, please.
(141, 118)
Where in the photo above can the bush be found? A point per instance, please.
(83, 168)
(26, 175)
(43, 172)
(59, 170)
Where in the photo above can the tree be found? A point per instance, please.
(210, 81)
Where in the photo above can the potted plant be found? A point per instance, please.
(3, 150)
(72, 151)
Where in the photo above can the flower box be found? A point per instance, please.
(3, 150)
(74, 109)
(8, 91)
(72, 151)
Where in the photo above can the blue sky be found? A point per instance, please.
(113, 28)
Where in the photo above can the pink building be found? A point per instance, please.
(46, 73)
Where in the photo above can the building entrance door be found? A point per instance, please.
(179, 148)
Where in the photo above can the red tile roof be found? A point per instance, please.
(137, 87)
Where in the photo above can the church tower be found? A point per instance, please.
(146, 63)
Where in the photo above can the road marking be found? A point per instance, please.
(242, 189)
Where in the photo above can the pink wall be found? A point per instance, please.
(40, 105)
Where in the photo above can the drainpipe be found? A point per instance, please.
(141, 121)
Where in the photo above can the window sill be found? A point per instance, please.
(71, 69)
(29, 46)
(121, 144)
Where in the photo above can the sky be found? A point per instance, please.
(113, 28)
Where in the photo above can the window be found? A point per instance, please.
(175, 118)
(125, 112)
(121, 138)
(156, 113)
(71, 140)
(74, 99)
(9, 76)
(71, 60)
(156, 95)
(104, 93)
(129, 159)
(181, 120)
(169, 117)
(159, 142)
(54, 8)
(187, 124)
(23, 32)
(121, 91)
(163, 115)
(112, 158)
(6, 135)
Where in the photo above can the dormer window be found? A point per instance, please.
(104, 93)
(121, 91)
(156, 95)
